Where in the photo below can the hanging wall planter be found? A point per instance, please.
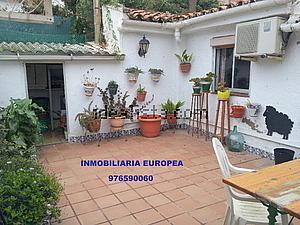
(141, 94)
(156, 74)
(133, 74)
(89, 82)
(237, 111)
(112, 88)
(185, 61)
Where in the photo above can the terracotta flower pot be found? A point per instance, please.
(237, 111)
(117, 122)
(185, 67)
(150, 125)
(171, 119)
(94, 125)
(141, 96)
(89, 89)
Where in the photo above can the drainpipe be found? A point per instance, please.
(293, 23)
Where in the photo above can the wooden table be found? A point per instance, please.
(277, 186)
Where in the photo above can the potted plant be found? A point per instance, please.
(150, 125)
(252, 108)
(156, 74)
(237, 111)
(89, 82)
(206, 81)
(223, 92)
(112, 87)
(115, 107)
(185, 61)
(141, 94)
(197, 85)
(90, 119)
(133, 73)
(171, 109)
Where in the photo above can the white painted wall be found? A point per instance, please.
(13, 81)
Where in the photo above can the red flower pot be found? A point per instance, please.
(171, 119)
(141, 96)
(237, 111)
(150, 125)
(185, 67)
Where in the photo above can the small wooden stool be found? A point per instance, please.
(224, 104)
(194, 114)
(204, 114)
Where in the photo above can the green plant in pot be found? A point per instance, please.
(141, 94)
(171, 109)
(197, 85)
(90, 119)
(112, 87)
(223, 91)
(133, 73)
(206, 81)
(156, 74)
(185, 61)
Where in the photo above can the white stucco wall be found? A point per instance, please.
(13, 81)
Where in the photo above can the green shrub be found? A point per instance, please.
(27, 194)
(20, 123)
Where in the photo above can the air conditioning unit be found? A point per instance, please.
(259, 38)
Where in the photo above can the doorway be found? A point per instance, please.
(45, 84)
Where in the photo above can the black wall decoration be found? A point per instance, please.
(277, 122)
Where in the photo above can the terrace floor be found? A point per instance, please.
(192, 194)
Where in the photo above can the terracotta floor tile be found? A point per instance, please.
(128, 220)
(116, 212)
(164, 222)
(91, 184)
(107, 201)
(63, 201)
(175, 195)
(148, 217)
(74, 188)
(184, 220)
(78, 197)
(137, 205)
(84, 207)
(157, 200)
(188, 204)
(210, 213)
(127, 196)
(169, 210)
(119, 187)
(69, 221)
(193, 190)
(92, 218)
(146, 191)
(99, 192)
(66, 212)
(164, 186)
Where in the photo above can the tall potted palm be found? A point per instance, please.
(171, 109)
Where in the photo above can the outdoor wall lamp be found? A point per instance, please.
(143, 46)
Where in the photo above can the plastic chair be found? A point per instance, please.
(241, 208)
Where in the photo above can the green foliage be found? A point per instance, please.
(208, 77)
(27, 194)
(112, 83)
(196, 81)
(171, 107)
(21, 124)
(156, 71)
(133, 70)
(141, 89)
(222, 87)
(184, 57)
(87, 116)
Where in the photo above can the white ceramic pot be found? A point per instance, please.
(117, 122)
(88, 90)
(155, 76)
(252, 112)
(133, 77)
